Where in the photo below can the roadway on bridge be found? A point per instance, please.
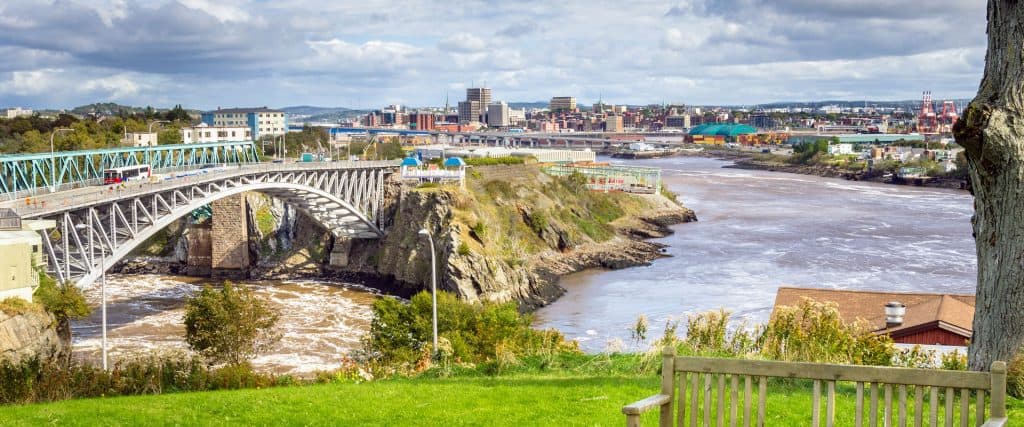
(45, 202)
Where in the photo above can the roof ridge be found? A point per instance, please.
(865, 291)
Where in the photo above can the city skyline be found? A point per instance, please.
(295, 52)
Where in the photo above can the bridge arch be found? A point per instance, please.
(92, 236)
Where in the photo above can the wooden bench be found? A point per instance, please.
(709, 379)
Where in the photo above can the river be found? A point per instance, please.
(759, 230)
(320, 321)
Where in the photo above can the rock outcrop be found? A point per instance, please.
(510, 239)
(29, 333)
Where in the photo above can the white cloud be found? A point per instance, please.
(463, 42)
(218, 9)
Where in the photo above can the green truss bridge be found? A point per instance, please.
(28, 174)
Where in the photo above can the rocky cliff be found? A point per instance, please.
(28, 332)
(506, 236)
(510, 233)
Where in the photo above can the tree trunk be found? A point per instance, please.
(991, 130)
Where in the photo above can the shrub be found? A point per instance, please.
(463, 249)
(401, 333)
(954, 361)
(228, 325)
(65, 301)
(35, 380)
(14, 306)
(1015, 376)
(814, 332)
(492, 161)
(538, 221)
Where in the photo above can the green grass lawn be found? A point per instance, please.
(519, 400)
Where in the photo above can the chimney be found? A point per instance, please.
(894, 311)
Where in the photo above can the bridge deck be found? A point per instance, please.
(49, 203)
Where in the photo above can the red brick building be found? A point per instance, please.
(929, 319)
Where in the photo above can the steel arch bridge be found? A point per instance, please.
(96, 227)
(27, 173)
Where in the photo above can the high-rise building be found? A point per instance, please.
(470, 111)
(678, 122)
(474, 108)
(562, 103)
(479, 94)
(498, 115)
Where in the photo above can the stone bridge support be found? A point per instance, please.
(229, 234)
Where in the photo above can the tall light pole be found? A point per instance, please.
(103, 295)
(155, 122)
(53, 159)
(433, 284)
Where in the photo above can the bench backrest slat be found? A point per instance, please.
(723, 378)
(821, 371)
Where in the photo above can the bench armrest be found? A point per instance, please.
(641, 406)
(995, 422)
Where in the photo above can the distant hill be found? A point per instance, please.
(528, 105)
(907, 104)
(311, 114)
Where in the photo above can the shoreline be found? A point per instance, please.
(630, 247)
(746, 161)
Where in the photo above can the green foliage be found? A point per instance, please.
(493, 161)
(14, 306)
(954, 361)
(463, 249)
(815, 332)
(265, 221)
(35, 380)
(229, 325)
(669, 194)
(479, 229)
(64, 301)
(1015, 376)
(401, 333)
(538, 221)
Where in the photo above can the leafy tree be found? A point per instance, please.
(229, 325)
(177, 114)
(989, 131)
(65, 301)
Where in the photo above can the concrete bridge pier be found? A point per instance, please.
(340, 252)
(229, 235)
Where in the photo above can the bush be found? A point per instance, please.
(538, 221)
(35, 380)
(814, 332)
(492, 161)
(229, 325)
(463, 249)
(401, 333)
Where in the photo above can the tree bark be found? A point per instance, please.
(991, 130)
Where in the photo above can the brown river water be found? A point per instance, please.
(758, 230)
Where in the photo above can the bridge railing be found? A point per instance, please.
(34, 205)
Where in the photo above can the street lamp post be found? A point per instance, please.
(433, 284)
(155, 122)
(103, 297)
(53, 160)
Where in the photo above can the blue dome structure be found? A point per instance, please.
(454, 162)
(411, 161)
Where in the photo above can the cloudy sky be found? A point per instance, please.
(367, 53)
